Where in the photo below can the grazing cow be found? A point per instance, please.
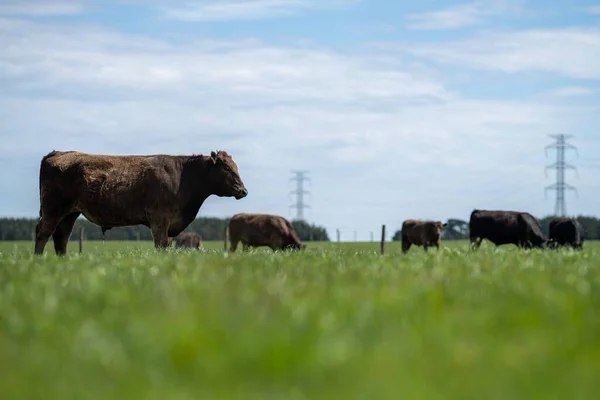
(505, 227)
(566, 232)
(189, 240)
(255, 230)
(421, 233)
(161, 192)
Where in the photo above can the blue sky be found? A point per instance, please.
(398, 109)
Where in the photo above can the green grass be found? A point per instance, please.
(341, 321)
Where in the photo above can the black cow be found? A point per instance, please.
(506, 227)
(566, 232)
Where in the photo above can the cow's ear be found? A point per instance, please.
(213, 157)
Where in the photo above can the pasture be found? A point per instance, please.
(123, 320)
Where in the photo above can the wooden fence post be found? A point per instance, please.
(338, 235)
(382, 239)
(81, 240)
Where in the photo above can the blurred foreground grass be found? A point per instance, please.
(124, 321)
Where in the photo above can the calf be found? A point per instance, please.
(255, 230)
(421, 233)
(190, 240)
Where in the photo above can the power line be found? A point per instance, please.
(560, 207)
(300, 205)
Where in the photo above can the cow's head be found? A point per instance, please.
(224, 176)
(440, 226)
(295, 246)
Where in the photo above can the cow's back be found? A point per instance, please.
(261, 229)
(250, 228)
(112, 190)
(500, 227)
(408, 227)
(530, 230)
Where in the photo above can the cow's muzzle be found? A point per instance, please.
(241, 193)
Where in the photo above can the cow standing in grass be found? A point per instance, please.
(565, 232)
(506, 227)
(161, 192)
(421, 233)
(189, 240)
(255, 230)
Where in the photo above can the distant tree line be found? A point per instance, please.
(458, 229)
(208, 228)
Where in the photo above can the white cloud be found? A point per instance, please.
(383, 139)
(570, 91)
(594, 9)
(221, 10)
(41, 7)
(571, 52)
(461, 15)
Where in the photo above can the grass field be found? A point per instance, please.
(340, 321)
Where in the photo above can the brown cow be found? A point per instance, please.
(255, 230)
(161, 192)
(190, 240)
(421, 233)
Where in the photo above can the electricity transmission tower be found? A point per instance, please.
(560, 208)
(300, 205)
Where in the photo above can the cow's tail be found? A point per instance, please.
(41, 175)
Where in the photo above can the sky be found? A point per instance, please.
(397, 109)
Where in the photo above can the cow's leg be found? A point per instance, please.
(405, 245)
(246, 246)
(43, 230)
(425, 247)
(55, 206)
(160, 234)
(233, 244)
(276, 243)
(526, 244)
(475, 242)
(62, 233)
